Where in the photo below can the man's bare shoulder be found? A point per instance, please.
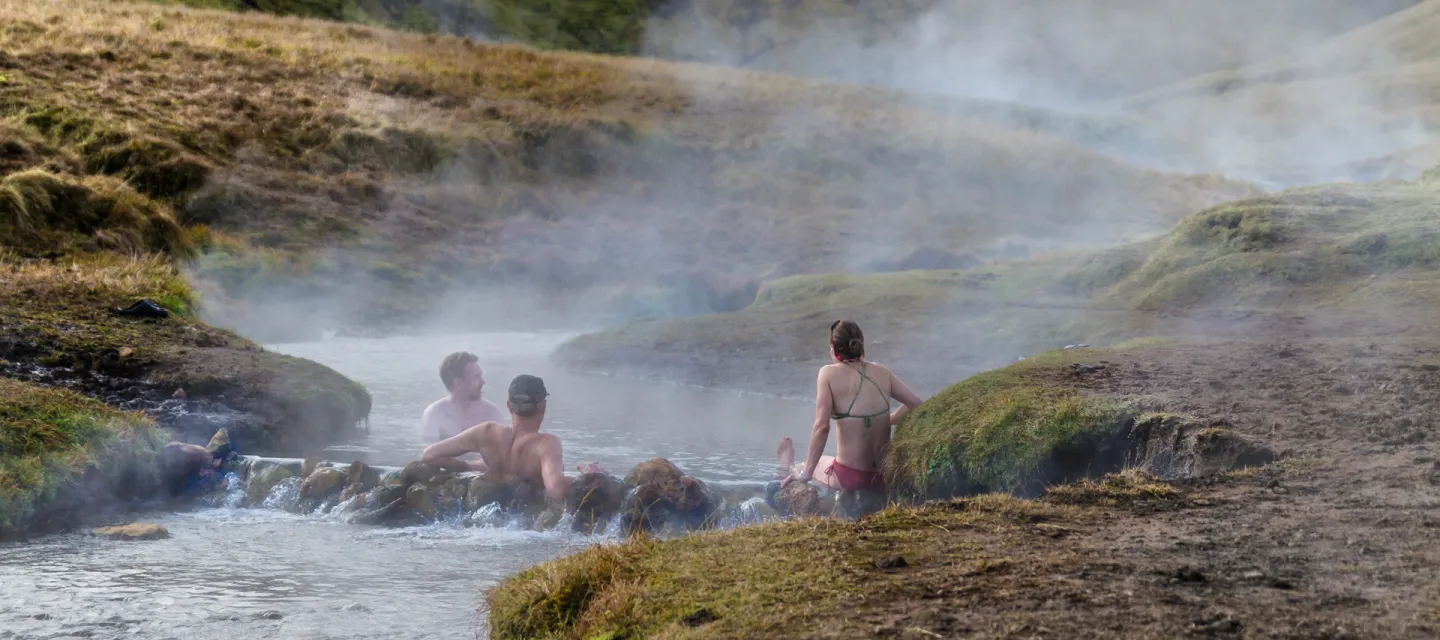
(435, 406)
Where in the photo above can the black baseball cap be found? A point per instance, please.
(527, 388)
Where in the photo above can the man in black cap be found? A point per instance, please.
(518, 450)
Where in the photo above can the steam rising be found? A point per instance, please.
(1049, 125)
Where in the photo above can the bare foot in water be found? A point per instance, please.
(785, 454)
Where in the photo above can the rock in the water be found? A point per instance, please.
(220, 447)
(351, 491)
(654, 470)
(362, 474)
(594, 498)
(488, 489)
(527, 499)
(260, 483)
(180, 463)
(800, 499)
(321, 483)
(452, 495)
(421, 498)
(423, 473)
(133, 531)
(548, 518)
(309, 466)
(388, 493)
(665, 499)
(395, 512)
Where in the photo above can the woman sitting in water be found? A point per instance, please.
(864, 390)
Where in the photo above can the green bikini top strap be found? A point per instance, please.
(858, 387)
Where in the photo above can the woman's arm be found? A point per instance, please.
(908, 399)
(819, 433)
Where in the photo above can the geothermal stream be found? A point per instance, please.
(268, 570)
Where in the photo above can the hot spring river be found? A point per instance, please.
(265, 573)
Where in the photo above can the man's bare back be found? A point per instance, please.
(519, 450)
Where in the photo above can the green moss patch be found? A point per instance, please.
(1315, 241)
(60, 450)
(1010, 429)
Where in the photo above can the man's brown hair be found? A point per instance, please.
(453, 366)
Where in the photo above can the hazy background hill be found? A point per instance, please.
(393, 176)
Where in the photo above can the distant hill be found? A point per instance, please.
(1043, 51)
(1360, 106)
(383, 172)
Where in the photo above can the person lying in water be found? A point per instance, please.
(518, 450)
(865, 390)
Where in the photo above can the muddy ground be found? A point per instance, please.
(1340, 539)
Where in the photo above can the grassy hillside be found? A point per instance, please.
(1068, 49)
(330, 162)
(1345, 259)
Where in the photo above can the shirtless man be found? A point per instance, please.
(463, 407)
(519, 450)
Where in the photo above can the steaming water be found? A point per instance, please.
(264, 573)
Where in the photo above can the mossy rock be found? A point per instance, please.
(1012, 429)
(65, 457)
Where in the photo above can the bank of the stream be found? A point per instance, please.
(63, 455)
(1334, 538)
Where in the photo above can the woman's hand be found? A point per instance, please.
(793, 478)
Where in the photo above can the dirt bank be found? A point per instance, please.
(57, 329)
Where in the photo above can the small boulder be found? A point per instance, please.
(487, 489)
(423, 473)
(548, 518)
(133, 531)
(309, 466)
(653, 471)
(421, 498)
(259, 484)
(452, 495)
(665, 499)
(362, 474)
(594, 498)
(321, 483)
(800, 499)
(219, 446)
(396, 512)
(180, 461)
(388, 493)
(353, 490)
(527, 499)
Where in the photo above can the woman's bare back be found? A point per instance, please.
(861, 410)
